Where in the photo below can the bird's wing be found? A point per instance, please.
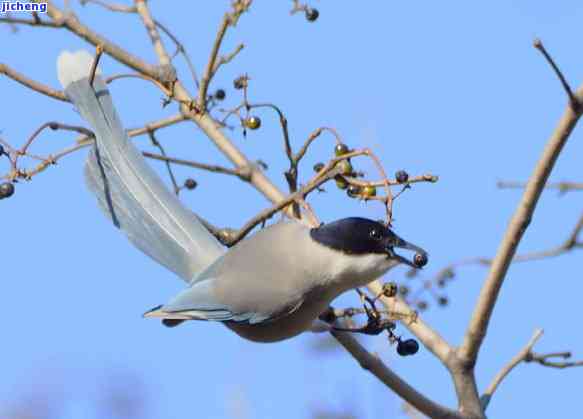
(128, 190)
(199, 303)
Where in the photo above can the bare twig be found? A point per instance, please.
(543, 359)
(242, 174)
(157, 144)
(180, 49)
(521, 356)
(225, 59)
(290, 199)
(563, 187)
(98, 52)
(156, 125)
(82, 142)
(210, 67)
(31, 84)
(568, 245)
(159, 85)
(573, 100)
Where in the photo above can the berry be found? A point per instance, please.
(345, 167)
(369, 191)
(252, 122)
(318, 167)
(420, 259)
(341, 149)
(402, 176)
(422, 305)
(220, 94)
(353, 190)
(341, 183)
(6, 190)
(407, 347)
(390, 289)
(190, 184)
(312, 14)
(403, 290)
(442, 301)
(441, 282)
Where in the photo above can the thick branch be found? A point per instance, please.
(376, 367)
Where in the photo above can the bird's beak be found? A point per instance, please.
(396, 241)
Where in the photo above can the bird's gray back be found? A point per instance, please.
(279, 263)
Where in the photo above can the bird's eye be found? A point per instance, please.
(376, 234)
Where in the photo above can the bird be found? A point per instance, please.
(270, 286)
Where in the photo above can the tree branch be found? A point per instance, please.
(242, 174)
(543, 359)
(480, 319)
(518, 358)
(563, 187)
(31, 84)
(377, 368)
(210, 67)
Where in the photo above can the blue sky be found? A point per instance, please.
(450, 88)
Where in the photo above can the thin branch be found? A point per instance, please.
(315, 134)
(563, 187)
(180, 49)
(480, 319)
(573, 100)
(290, 199)
(98, 52)
(156, 125)
(568, 245)
(521, 356)
(210, 67)
(543, 359)
(225, 59)
(157, 144)
(82, 142)
(159, 85)
(242, 174)
(31, 84)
